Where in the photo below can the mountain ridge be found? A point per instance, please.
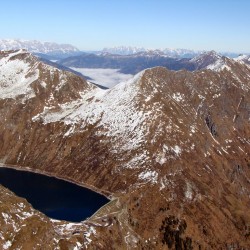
(132, 64)
(129, 50)
(58, 50)
(170, 52)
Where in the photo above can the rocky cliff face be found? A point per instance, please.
(170, 148)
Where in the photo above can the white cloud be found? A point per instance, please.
(104, 77)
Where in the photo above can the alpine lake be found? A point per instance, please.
(56, 198)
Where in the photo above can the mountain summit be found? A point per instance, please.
(206, 59)
(23, 76)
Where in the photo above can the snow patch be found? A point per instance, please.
(177, 96)
(177, 150)
(5, 217)
(161, 157)
(189, 192)
(78, 246)
(150, 176)
(7, 244)
(43, 84)
(87, 235)
(192, 129)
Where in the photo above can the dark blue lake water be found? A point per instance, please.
(56, 198)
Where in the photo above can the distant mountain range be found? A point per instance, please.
(128, 64)
(48, 50)
(132, 64)
(55, 51)
(178, 53)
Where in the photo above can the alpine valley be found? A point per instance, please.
(169, 148)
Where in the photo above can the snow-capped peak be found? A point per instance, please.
(36, 46)
(23, 76)
(207, 56)
(129, 50)
(151, 53)
(209, 60)
(123, 50)
(181, 53)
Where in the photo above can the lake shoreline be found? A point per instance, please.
(107, 194)
(56, 198)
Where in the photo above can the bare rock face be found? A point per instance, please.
(171, 149)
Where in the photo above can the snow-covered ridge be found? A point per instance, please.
(123, 50)
(16, 76)
(112, 109)
(129, 50)
(35, 46)
(211, 60)
(181, 52)
(22, 74)
(211, 55)
(170, 52)
(243, 58)
(219, 65)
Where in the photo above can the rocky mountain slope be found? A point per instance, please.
(47, 49)
(169, 148)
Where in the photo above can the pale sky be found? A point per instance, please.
(221, 25)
